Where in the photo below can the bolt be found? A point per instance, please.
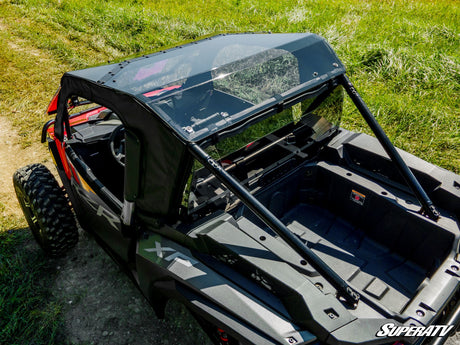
(319, 286)
(335, 64)
(454, 268)
(420, 313)
(291, 340)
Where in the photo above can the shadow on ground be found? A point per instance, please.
(82, 298)
(101, 305)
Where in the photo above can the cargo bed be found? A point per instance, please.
(367, 265)
(371, 234)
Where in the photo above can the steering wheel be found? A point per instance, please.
(117, 144)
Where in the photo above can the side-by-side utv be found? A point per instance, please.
(217, 175)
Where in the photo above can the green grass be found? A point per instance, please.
(402, 56)
(27, 315)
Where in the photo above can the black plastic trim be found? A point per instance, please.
(427, 205)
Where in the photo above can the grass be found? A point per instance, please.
(402, 56)
(27, 315)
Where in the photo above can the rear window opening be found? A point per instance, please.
(263, 152)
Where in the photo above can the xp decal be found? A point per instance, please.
(167, 254)
(101, 211)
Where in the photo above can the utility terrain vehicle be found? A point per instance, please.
(216, 174)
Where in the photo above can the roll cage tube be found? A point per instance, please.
(428, 207)
(343, 289)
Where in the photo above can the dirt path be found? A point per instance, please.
(102, 306)
(13, 156)
(99, 303)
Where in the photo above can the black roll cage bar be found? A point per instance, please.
(343, 288)
(428, 207)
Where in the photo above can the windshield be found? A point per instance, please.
(203, 104)
(206, 86)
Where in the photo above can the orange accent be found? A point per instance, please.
(360, 194)
(85, 185)
(50, 131)
(78, 121)
(52, 157)
(85, 116)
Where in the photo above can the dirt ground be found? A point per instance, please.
(14, 156)
(100, 304)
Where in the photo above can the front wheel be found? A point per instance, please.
(46, 209)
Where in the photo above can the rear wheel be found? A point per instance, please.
(46, 209)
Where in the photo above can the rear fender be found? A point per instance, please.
(168, 270)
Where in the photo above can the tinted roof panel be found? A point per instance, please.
(205, 86)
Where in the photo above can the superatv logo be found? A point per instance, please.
(391, 330)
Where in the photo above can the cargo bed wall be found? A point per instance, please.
(386, 215)
(360, 229)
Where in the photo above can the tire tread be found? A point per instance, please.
(50, 205)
